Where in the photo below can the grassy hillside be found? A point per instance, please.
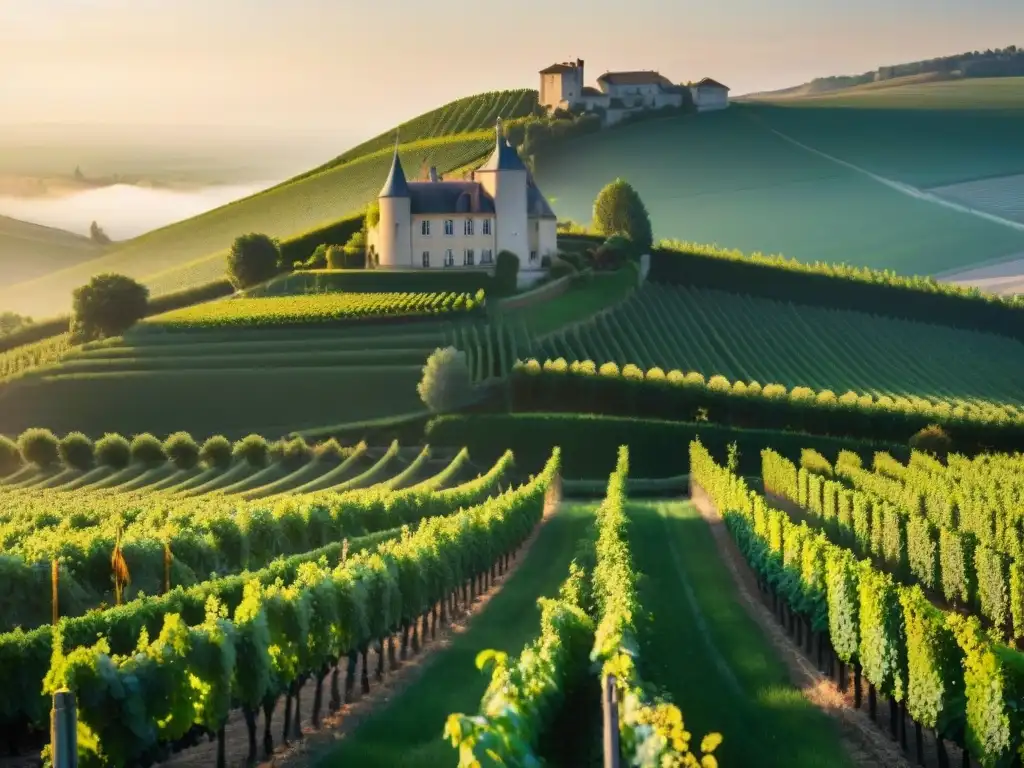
(192, 252)
(727, 178)
(30, 250)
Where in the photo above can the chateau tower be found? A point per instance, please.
(504, 178)
(394, 240)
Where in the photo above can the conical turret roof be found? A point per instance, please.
(504, 157)
(396, 185)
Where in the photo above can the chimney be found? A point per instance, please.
(433, 173)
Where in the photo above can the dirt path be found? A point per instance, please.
(865, 743)
(334, 727)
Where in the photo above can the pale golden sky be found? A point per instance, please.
(361, 67)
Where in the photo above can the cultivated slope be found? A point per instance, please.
(192, 252)
(847, 182)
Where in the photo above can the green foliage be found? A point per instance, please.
(216, 453)
(882, 652)
(253, 259)
(331, 452)
(618, 210)
(19, 360)
(336, 257)
(447, 383)
(182, 450)
(934, 683)
(147, 450)
(10, 456)
(652, 732)
(932, 440)
(252, 449)
(113, 450)
(108, 305)
(843, 604)
(506, 273)
(76, 451)
(316, 309)
(39, 447)
(292, 453)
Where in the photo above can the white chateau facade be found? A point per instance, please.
(438, 224)
(623, 93)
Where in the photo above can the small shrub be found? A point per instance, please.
(10, 456)
(932, 439)
(447, 383)
(336, 257)
(113, 450)
(318, 259)
(609, 369)
(39, 447)
(291, 454)
(216, 453)
(618, 209)
(182, 450)
(331, 452)
(147, 449)
(76, 451)
(719, 383)
(506, 273)
(252, 449)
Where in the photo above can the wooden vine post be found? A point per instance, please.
(120, 568)
(610, 712)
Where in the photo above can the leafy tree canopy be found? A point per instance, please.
(618, 210)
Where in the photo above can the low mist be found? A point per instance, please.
(123, 210)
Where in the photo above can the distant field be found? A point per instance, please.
(927, 135)
(192, 252)
(726, 179)
(755, 339)
(30, 250)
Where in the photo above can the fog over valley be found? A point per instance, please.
(124, 210)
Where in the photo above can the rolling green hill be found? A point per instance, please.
(191, 252)
(819, 179)
(30, 250)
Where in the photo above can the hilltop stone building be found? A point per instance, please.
(623, 93)
(438, 224)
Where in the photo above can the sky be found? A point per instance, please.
(354, 69)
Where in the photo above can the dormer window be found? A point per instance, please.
(449, 227)
(487, 226)
(425, 228)
(468, 227)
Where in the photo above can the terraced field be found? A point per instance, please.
(754, 339)
(269, 381)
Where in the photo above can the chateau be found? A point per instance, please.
(438, 224)
(623, 93)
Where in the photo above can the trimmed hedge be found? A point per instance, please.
(300, 247)
(589, 443)
(379, 281)
(567, 392)
(810, 285)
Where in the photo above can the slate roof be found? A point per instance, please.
(707, 82)
(396, 184)
(588, 90)
(635, 78)
(537, 205)
(449, 197)
(555, 69)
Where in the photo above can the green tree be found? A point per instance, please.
(618, 209)
(108, 305)
(148, 450)
(447, 383)
(253, 259)
(216, 453)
